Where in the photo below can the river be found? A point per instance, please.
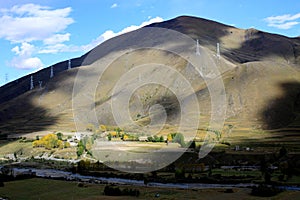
(51, 173)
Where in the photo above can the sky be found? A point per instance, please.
(39, 33)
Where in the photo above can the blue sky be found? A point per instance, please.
(38, 33)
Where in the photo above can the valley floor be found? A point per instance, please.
(37, 188)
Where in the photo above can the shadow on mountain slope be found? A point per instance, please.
(257, 45)
(285, 109)
(24, 117)
(40, 108)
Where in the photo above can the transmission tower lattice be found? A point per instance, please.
(31, 83)
(51, 72)
(69, 64)
(218, 50)
(197, 48)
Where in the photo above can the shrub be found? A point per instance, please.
(80, 185)
(110, 190)
(179, 173)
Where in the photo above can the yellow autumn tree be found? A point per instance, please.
(49, 141)
(102, 128)
(125, 137)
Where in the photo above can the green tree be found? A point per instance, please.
(118, 130)
(80, 150)
(155, 138)
(150, 138)
(109, 137)
(59, 135)
(161, 139)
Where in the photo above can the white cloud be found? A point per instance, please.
(286, 25)
(57, 48)
(110, 34)
(24, 58)
(26, 49)
(283, 21)
(26, 63)
(32, 22)
(114, 5)
(29, 23)
(57, 38)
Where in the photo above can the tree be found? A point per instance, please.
(80, 150)
(150, 138)
(59, 135)
(50, 141)
(67, 145)
(102, 128)
(125, 137)
(118, 131)
(109, 137)
(87, 142)
(161, 139)
(60, 144)
(155, 138)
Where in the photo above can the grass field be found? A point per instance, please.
(37, 188)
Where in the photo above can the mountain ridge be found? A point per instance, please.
(256, 69)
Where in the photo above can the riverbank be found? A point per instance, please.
(69, 176)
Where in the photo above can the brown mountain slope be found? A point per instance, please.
(260, 72)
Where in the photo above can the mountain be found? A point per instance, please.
(260, 72)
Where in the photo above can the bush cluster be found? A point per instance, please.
(155, 138)
(110, 190)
